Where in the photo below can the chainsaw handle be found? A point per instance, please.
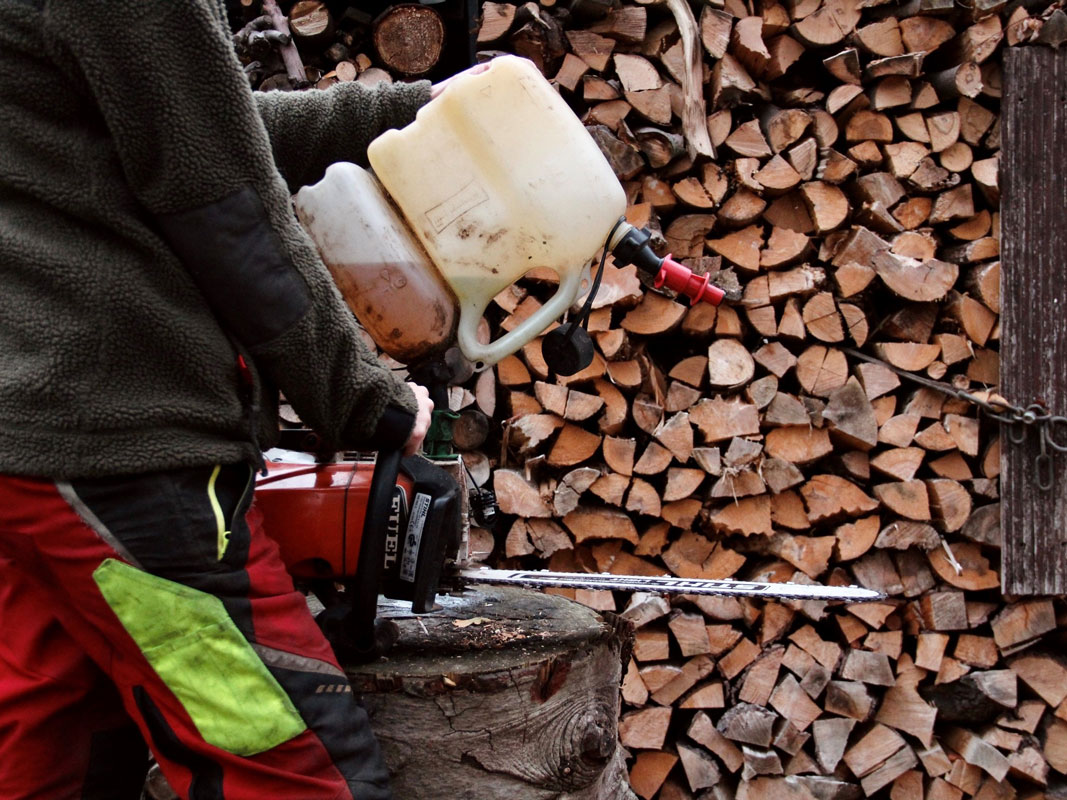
(359, 625)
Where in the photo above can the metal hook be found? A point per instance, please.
(1047, 429)
(1016, 425)
(1043, 466)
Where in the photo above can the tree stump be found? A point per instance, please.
(501, 693)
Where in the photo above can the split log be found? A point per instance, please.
(496, 21)
(729, 364)
(829, 25)
(311, 24)
(822, 370)
(923, 281)
(538, 37)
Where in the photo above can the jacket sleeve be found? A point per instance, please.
(310, 130)
(196, 155)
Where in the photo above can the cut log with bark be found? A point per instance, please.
(476, 657)
(409, 39)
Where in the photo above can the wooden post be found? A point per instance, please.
(1034, 321)
(501, 693)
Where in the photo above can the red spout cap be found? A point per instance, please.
(698, 288)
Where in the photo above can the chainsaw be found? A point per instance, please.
(354, 526)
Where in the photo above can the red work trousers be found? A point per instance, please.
(153, 609)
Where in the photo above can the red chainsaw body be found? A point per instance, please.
(315, 512)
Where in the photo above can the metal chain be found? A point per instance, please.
(1018, 420)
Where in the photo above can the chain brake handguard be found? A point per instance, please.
(408, 568)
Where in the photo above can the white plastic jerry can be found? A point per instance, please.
(497, 176)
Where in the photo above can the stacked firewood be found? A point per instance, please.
(835, 164)
(853, 200)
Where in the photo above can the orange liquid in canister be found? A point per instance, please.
(404, 308)
(381, 270)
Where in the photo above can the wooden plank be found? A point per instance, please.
(1034, 194)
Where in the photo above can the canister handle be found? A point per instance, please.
(485, 355)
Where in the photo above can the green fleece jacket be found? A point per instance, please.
(156, 290)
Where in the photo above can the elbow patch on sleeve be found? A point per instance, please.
(237, 261)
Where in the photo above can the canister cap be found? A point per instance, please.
(567, 349)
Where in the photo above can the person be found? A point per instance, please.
(157, 294)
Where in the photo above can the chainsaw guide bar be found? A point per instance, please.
(668, 585)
